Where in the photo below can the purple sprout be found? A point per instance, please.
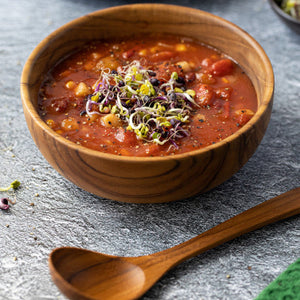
(4, 203)
(98, 87)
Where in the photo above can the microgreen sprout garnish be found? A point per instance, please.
(14, 185)
(156, 111)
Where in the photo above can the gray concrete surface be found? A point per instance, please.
(52, 212)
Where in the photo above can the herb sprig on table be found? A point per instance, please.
(4, 202)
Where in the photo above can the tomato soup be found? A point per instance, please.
(151, 96)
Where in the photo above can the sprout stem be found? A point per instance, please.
(14, 185)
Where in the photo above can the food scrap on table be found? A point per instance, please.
(4, 202)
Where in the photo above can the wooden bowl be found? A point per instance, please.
(286, 18)
(149, 179)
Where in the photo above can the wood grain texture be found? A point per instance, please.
(83, 274)
(156, 179)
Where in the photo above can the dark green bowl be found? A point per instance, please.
(286, 18)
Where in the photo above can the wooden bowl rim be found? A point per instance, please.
(28, 105)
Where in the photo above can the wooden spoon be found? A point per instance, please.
(84, 274)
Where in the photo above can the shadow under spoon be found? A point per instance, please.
(83, 274)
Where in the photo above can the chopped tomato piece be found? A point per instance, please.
(190, 77)
(218, 104)
(120, 135)
(125, 137)
(226, 107)
(125, 152)
(224, 92)
(152, 149)
(79, 103)
(65, 73)
(205, 78)
(129, 53)
(222, 67)
(57, 105)
(207, 62)
(223, 108)
(165, 70)
(89, 65)
(204, 94)
(243, 116)
(243, 119)
(162, 56)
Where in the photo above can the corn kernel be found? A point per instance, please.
(50, 123)
(200, 118)
(155, 49)
(82, 90)
(214, 57)
(96, 55)
(143, 52)
(111, 120)
(178, 90)
(225, 80)
(192, 93)
(93, 117)
(69, 124)
(108, 62)
(70, 84)
(186, 67)
(180, 47)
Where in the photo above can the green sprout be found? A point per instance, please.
(14, 185)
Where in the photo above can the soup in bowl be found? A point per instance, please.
(147, 103)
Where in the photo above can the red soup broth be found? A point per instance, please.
(155, 96)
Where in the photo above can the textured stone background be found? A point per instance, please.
(64, 215)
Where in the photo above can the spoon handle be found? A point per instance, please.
(270, 211)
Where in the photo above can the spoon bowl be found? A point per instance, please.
(87, 275)
(79, 264)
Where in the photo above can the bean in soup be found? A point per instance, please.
(147, 96)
